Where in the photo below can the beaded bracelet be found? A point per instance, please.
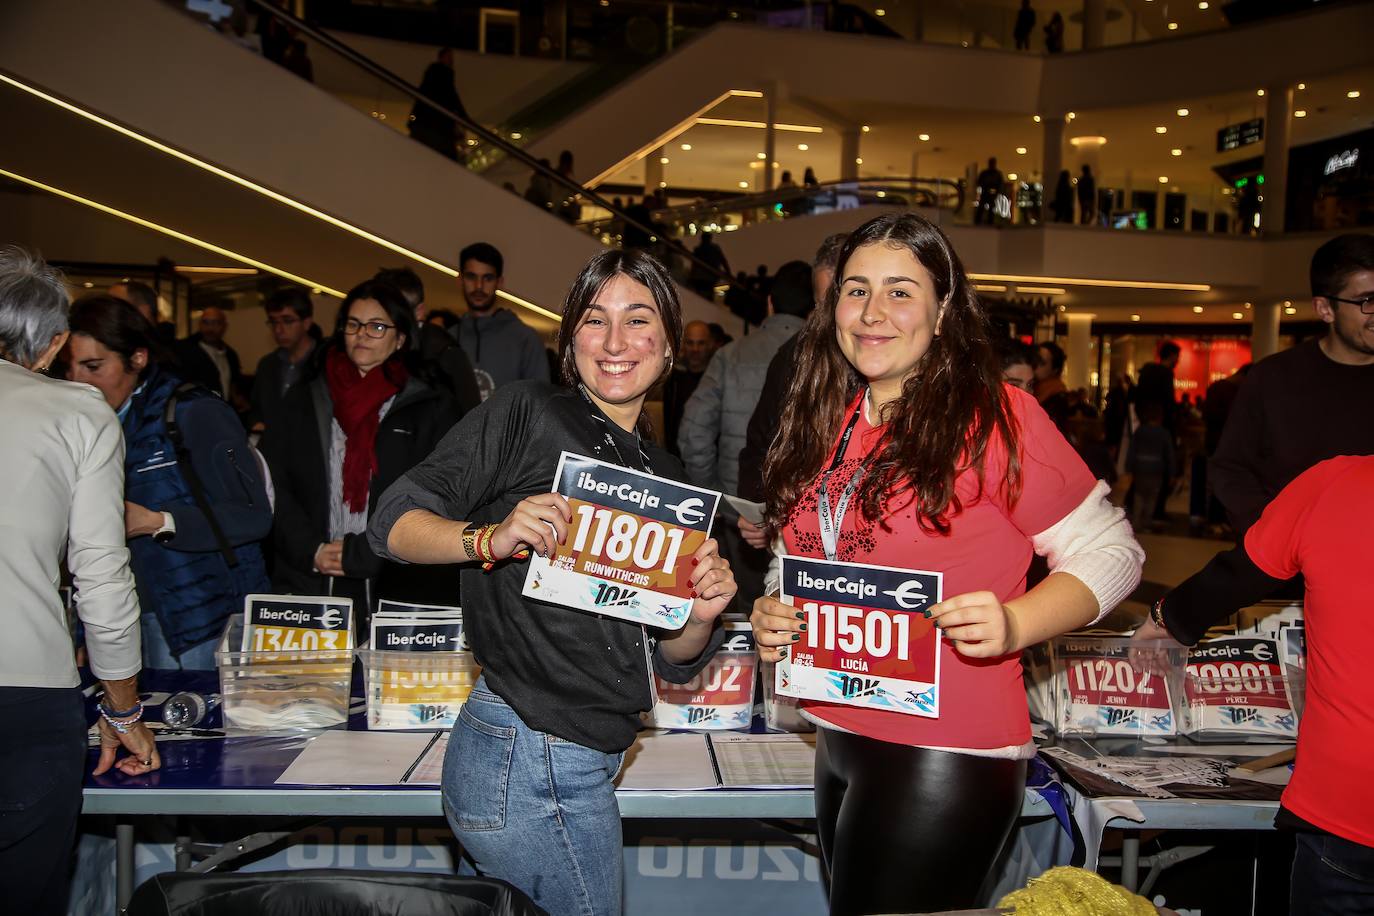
(122, 723)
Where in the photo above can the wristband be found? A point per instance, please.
(115, 714)
(470, 542)
(484, 552)
(122, 723)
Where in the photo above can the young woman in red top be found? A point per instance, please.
(952, 471)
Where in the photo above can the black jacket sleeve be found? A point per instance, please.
(286, 446)
(1228, 583)
(228, 470)
(1234, 469)
(766, 419)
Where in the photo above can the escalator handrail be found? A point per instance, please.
(494, 139)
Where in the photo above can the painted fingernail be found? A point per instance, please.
(782, 650)
(800, 615)
(796, 636)
(803, 626)
(926, 614)
(694, 561)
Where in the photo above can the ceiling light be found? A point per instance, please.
(662, 160)
(1286, 302)
(1173, 27)
(1239, 316)
(1082, 281)
(1290, 310)
(1070, 116)
(1063, 308)
(1135, 317)
(880, 12)
(1197, 310)
(1163, 179)
(1161, 129)
(882, 193)
(1011, 177)
(88, 284)
(1175, 152)
(1043, 291)
(181, 236)
(1300, 113)
(1035, 118)
(516, 135)
(1020, 151)
(923, 137)
(1259, 92)
(1302, 85)
(686, 147)
(1353, 94)
(761, 156)
(989, 288)
(803, 147)
(1183, 112)
(663, 184)
(1203, 5)
(185, 269)
(1087, 141)
(865, 128)
(746, 93)
(744, 184)
(1247, 305)
(760, 125)
(859, 161)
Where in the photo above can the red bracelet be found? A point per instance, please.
(484, 540)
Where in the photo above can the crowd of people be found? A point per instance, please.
(410, 454)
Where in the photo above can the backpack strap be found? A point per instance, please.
(188, 470)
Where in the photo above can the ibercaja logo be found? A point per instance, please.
(722, 695)
(867, 642)
(630, 544)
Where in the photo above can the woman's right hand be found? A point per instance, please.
(539, 522)
(776, 626)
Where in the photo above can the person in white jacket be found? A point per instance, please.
(62, 457)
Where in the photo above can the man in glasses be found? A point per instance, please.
(290, 317)
(1309, 403)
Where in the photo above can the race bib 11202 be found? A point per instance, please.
(866, 641)
(629, 547)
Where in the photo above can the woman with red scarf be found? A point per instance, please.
(361, 423)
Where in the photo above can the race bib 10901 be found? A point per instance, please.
(295, 623)
(722, 695)
(629, 548)
(866, 641)
(1235, 686)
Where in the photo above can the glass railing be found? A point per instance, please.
(688, 221)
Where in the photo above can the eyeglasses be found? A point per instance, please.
(1364, 303)
(375, 329)
(284, 322)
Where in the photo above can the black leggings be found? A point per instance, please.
(908, 830)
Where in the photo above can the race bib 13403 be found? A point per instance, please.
(629, 548)
(866, 641)
(295, 623)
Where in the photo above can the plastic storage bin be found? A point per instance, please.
(416, 690)
(1116, 687)
(282, 691)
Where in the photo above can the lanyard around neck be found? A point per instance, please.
(830, 524)
(604, 426)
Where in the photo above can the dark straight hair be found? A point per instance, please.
(641, 268)
(401, 314)
(118, 326)
(952, 406)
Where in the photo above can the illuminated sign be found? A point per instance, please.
(1234, 136)
(1343, 160)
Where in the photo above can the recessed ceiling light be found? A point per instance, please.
(761, 156)
(1011, 177)
(88, 284)
(1183, 112)
(1163, 179)
(1286, 302)
(663, 184)
(803, 147)
(880, 12)
(1290, 310)
(1259, 92)
(859, 161)
(1069, 116)
(686, 147)
(1035, 118)
(1020, 151)
(1353, 94)
(1247, 305)
(1300, 113)
(923, 137)
(1161, 129)
(1173, 27)
(1197, 310)
(744, 184)
(1135, 317)
(1203, 5)
(1175, 152)
(865, 128)
(1239, 316)
(1302, 85)
(662, 160)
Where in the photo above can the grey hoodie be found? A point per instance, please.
(502, 349)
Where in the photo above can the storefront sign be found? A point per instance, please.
(866, 641)
(1340, 161)
(629, 547)
(1234, 136)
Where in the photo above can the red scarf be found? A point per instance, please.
(358, 401)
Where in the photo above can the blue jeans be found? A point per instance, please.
(1332, 876)
(533, 809)
(157, 654)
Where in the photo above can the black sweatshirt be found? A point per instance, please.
(1294, 409)
(575, 675)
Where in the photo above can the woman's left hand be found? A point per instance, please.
(713, 583)
(979, 625)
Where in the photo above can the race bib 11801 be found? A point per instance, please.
(722, 695)
(629, 548)
(295, 623)
(866, 641)
(1235, 686)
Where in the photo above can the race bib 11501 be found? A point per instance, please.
(629, 548)
(866, 641)
(722, 695)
